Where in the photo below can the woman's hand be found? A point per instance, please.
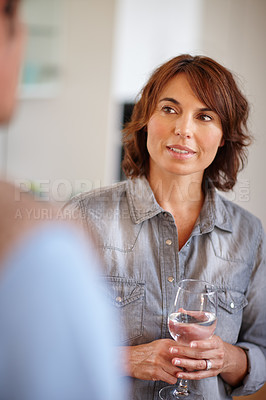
(227, 360)
(152, 361)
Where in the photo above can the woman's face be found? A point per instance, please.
(183, 133)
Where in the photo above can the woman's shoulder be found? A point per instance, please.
(241, 218)
(100, 195)
(97, 203)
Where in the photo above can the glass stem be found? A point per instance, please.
(183, 386)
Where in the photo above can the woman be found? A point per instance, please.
(48, 349)
(187, 136)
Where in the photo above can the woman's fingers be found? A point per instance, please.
(163, 360)
(196, 375)
(153, 361)
(193, 358)
(190, 365)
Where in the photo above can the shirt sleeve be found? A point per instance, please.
(56, 329)
(252, 336)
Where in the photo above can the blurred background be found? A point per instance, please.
(86, 61)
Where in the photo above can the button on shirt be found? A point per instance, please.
(139, 243)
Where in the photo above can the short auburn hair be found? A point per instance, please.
(215, 86)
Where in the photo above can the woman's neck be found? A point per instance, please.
(178, 193)
(183, 197)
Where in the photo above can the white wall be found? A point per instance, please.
(147, 34)
(63, 138)
(237, 39)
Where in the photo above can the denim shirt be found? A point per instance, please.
(138, 241)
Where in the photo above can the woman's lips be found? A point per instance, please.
(180, 152)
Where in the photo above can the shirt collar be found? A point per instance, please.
(142, 203)
(214, 213)
(143, 206)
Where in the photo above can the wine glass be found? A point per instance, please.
(192, 316)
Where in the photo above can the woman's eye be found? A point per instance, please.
(168, 110)
(205, 117)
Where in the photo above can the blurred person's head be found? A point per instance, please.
(213, 85)
(11, 46)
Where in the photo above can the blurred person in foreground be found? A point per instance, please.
(56, 329)
(187, 137)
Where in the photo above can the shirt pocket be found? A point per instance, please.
(230, 311)
(127, 295)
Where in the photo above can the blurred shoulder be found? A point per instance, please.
(19, 213)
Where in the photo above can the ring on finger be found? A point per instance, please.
(208, 365)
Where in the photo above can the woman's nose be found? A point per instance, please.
(184, 128)
(179, 132)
